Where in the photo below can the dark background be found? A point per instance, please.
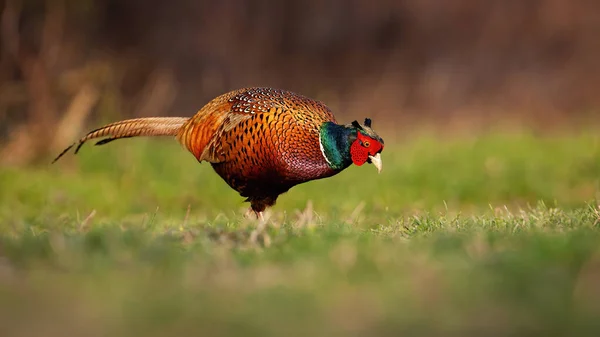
(462, 64)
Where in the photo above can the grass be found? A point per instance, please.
(494, 235)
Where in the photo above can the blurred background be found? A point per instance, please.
(67, 65)
(484, 221)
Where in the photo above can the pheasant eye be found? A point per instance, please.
(366, 143)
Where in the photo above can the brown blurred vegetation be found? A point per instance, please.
(67, 63)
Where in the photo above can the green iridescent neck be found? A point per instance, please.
(335, 144)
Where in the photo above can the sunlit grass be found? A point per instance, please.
(490, 235)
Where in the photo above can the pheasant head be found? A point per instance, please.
(343, 145)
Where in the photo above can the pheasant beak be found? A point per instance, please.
(376, 160)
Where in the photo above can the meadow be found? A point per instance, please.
(493, 235)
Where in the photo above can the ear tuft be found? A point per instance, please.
(356, 125)
(368, 122)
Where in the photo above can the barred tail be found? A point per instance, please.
(148, 126)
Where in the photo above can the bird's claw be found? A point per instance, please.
(258, 215)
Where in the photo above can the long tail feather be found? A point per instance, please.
(148, 126)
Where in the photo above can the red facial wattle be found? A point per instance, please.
(358, 153)
(362, 148)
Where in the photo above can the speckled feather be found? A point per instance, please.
(261, 141)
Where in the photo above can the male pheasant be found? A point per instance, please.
(261, 141)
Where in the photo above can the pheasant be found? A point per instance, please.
(260, 141)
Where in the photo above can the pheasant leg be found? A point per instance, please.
(258, 215)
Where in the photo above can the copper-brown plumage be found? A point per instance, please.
(261, 141)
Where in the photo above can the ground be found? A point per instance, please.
(468, 236)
